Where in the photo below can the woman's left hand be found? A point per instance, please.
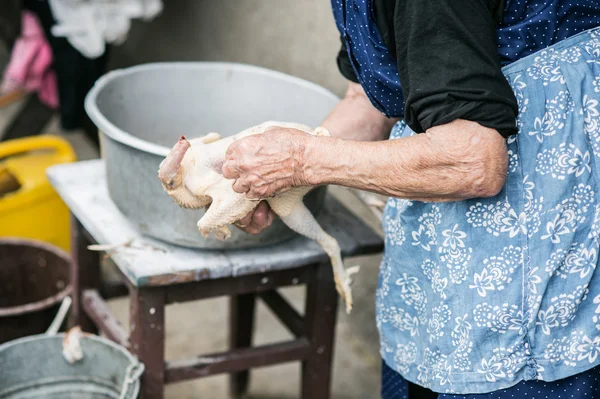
(266, 164)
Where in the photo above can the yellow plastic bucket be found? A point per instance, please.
(29, 206)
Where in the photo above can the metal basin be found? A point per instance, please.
(141, 112)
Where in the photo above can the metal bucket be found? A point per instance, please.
(34, 279)
(34, 367)
(142, 111)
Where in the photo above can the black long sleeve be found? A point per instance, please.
(447, 61)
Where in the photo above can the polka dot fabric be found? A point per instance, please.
(374, 66)
(393, 386)
(581, 386)
(532, 25)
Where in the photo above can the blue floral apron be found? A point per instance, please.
(475, 296)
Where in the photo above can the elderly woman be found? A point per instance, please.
(488, 281)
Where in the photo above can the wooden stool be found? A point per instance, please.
(156, 274)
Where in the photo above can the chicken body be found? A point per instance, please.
(191, 175)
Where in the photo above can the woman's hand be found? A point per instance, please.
(353, 118)
(257, 220)
(266, 164)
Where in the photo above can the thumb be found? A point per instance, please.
(229, 170)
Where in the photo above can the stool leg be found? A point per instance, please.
(85, 273)
(147, 338)
(241, 326)
(321, 313)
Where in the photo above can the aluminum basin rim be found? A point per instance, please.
(114, 133)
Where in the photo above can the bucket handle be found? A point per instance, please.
(133, 372)
(26, 144)
(60, 316)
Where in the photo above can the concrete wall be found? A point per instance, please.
(291, 36)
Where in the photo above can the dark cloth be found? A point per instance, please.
(10, 21)
(75, 73)
(393, 387)
(447, 60)
(580, 386)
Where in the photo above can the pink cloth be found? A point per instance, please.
(30, 66)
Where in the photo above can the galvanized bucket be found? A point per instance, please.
(34, 367)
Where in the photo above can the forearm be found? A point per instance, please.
(456, 161)
(355, 118)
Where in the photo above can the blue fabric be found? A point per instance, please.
(393, 386)
(585, 385)
(476, 296)
(374, 67)
(527, 27)
(531, 25)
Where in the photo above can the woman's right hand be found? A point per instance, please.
(257, 220)
(353, 118)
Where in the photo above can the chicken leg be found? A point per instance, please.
(298, 218)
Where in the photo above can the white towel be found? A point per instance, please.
(89, 24)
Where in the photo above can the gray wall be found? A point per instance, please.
(297, 37)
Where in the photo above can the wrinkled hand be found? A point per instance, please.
(257, 220)
(266, 164)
